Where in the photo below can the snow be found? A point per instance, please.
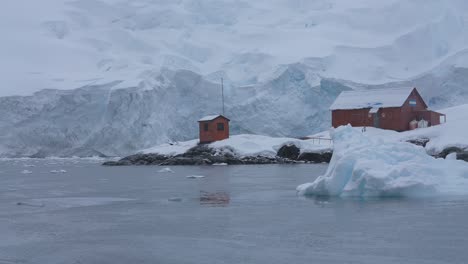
(245, 145)
(246, 40)
(366, 166)
(172, 149)
(375, 99)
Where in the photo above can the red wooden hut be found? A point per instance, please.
(213, 128)
(392, 109)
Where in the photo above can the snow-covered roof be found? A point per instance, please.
(374, 98)
(211, 117)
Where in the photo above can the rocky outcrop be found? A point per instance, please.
(204, 155)
(323, 157)
(462, 153)
(419, 141)
(289, 151)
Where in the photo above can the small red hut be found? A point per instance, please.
(213, 128)
(394, 109)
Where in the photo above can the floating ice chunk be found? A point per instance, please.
(195, 176)
(175, 199)
(26, 172)
(166, 170)
(365, 166)
(29, 165)
(58, 171)
(220, 164)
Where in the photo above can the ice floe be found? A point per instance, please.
(367, 166)
(166, 170)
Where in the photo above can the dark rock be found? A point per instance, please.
(419, 141)
(316, 157)
(463, 156)
(450, 150)
(290, 151)
(138, 159)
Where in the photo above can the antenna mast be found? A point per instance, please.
(222, 92)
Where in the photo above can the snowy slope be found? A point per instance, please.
(67, 44)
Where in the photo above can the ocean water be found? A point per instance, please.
(76, 211)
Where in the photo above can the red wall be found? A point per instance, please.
(213, 134)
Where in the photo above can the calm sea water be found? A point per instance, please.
(235, 214)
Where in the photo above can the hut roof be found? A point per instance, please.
(211, 118)
(374, 98)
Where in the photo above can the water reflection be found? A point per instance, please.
(214, 199)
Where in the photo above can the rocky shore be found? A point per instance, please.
(204, 155)
(287, 154)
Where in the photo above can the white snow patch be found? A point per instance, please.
(26, 172)
(365, 166)
(172, 149)
(220, 164)
(451, 156)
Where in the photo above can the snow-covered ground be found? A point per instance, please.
(364, 165)
(245, 145)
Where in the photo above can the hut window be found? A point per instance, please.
(205, 126)
(220, 126)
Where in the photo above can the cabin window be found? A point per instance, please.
(220, 126)
(412, 102)
(205, 127)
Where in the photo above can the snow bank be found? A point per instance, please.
(245, 145)
(172, 149)
(368, 166)
(451, 134)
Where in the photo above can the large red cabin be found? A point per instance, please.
(213, 128)
(392, 109)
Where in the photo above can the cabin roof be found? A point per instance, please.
(373, 98)
(211, 118)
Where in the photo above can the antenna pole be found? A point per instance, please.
(222, 92)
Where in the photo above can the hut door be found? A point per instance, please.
(376, 120)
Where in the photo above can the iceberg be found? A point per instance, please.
(364, 166)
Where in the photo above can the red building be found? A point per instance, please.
(213, 128)
(392, 109)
